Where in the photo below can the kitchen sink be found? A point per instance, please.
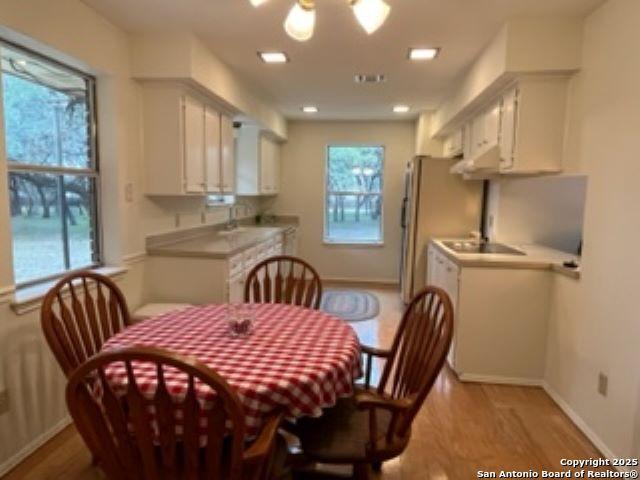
(481, 247)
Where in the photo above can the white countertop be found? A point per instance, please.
(535, 257)
(218, 245)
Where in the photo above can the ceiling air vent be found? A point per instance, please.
(370, 78)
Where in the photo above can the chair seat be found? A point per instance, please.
(341, 434)
(279, 470)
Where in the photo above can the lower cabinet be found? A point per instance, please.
(500, 319)
(198, 280)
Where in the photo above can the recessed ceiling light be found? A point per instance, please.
(257, 3)
(423, 53)
(401, 109)
(310, 109)
(273, 57)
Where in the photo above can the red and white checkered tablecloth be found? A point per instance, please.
(296, 359)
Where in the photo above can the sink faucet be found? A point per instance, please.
(232, 222)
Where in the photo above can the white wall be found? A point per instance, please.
(73, 33)
(302, 194)
(595, 322)
(543, 210)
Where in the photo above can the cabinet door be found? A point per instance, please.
(193, 123)
(228, 154)
(212, 152)
(508, 128)
(477, 135)
(453, 144)
(451, 282)
(431, 263)
(492, 126)
(267, 166)
(467, 141)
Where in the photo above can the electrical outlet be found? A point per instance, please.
(4, 401)
(603, 384)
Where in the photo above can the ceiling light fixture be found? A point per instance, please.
(273, 57)
(401, 109)
(371, 14)
(301, 20)
(418, 54)
(310, 109)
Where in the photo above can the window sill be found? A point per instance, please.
(353, 244)
(28, 299)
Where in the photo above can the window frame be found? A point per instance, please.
(351, 243)
(92, 171)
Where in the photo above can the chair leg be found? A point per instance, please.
(376, 466)
(361, 471)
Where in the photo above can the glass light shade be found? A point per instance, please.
(371, 14)
(300, 23)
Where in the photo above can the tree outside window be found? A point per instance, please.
(354, 206)
(50, 149)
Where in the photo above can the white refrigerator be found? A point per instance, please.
(436, 204)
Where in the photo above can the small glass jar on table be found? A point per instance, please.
(240, 317)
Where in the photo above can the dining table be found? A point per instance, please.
(294, 360)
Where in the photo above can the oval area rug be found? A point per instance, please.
(350, 305)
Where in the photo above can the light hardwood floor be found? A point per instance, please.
(462, 428)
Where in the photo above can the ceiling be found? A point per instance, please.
(321, 70)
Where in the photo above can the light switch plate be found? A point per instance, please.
(603, 384)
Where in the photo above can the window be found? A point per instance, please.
(353, 210)
(49, 125)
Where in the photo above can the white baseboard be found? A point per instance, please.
(496, 379)
(581, 424)
(577, 420)
(34, 445)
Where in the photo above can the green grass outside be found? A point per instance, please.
(37, 245)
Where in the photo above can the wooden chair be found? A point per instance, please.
(116, 425)
(375, 424)
(81, 312)
(284, 279)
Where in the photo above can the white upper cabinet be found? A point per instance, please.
(453, 144)
(212, 150)
(258, 162)
(228, 164)
(508, 128)
(188, 144)
(194, 152)
(533, 126)
(522, 132)
(485, 130)
(269, 166)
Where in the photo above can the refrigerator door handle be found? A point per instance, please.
(403, 214)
